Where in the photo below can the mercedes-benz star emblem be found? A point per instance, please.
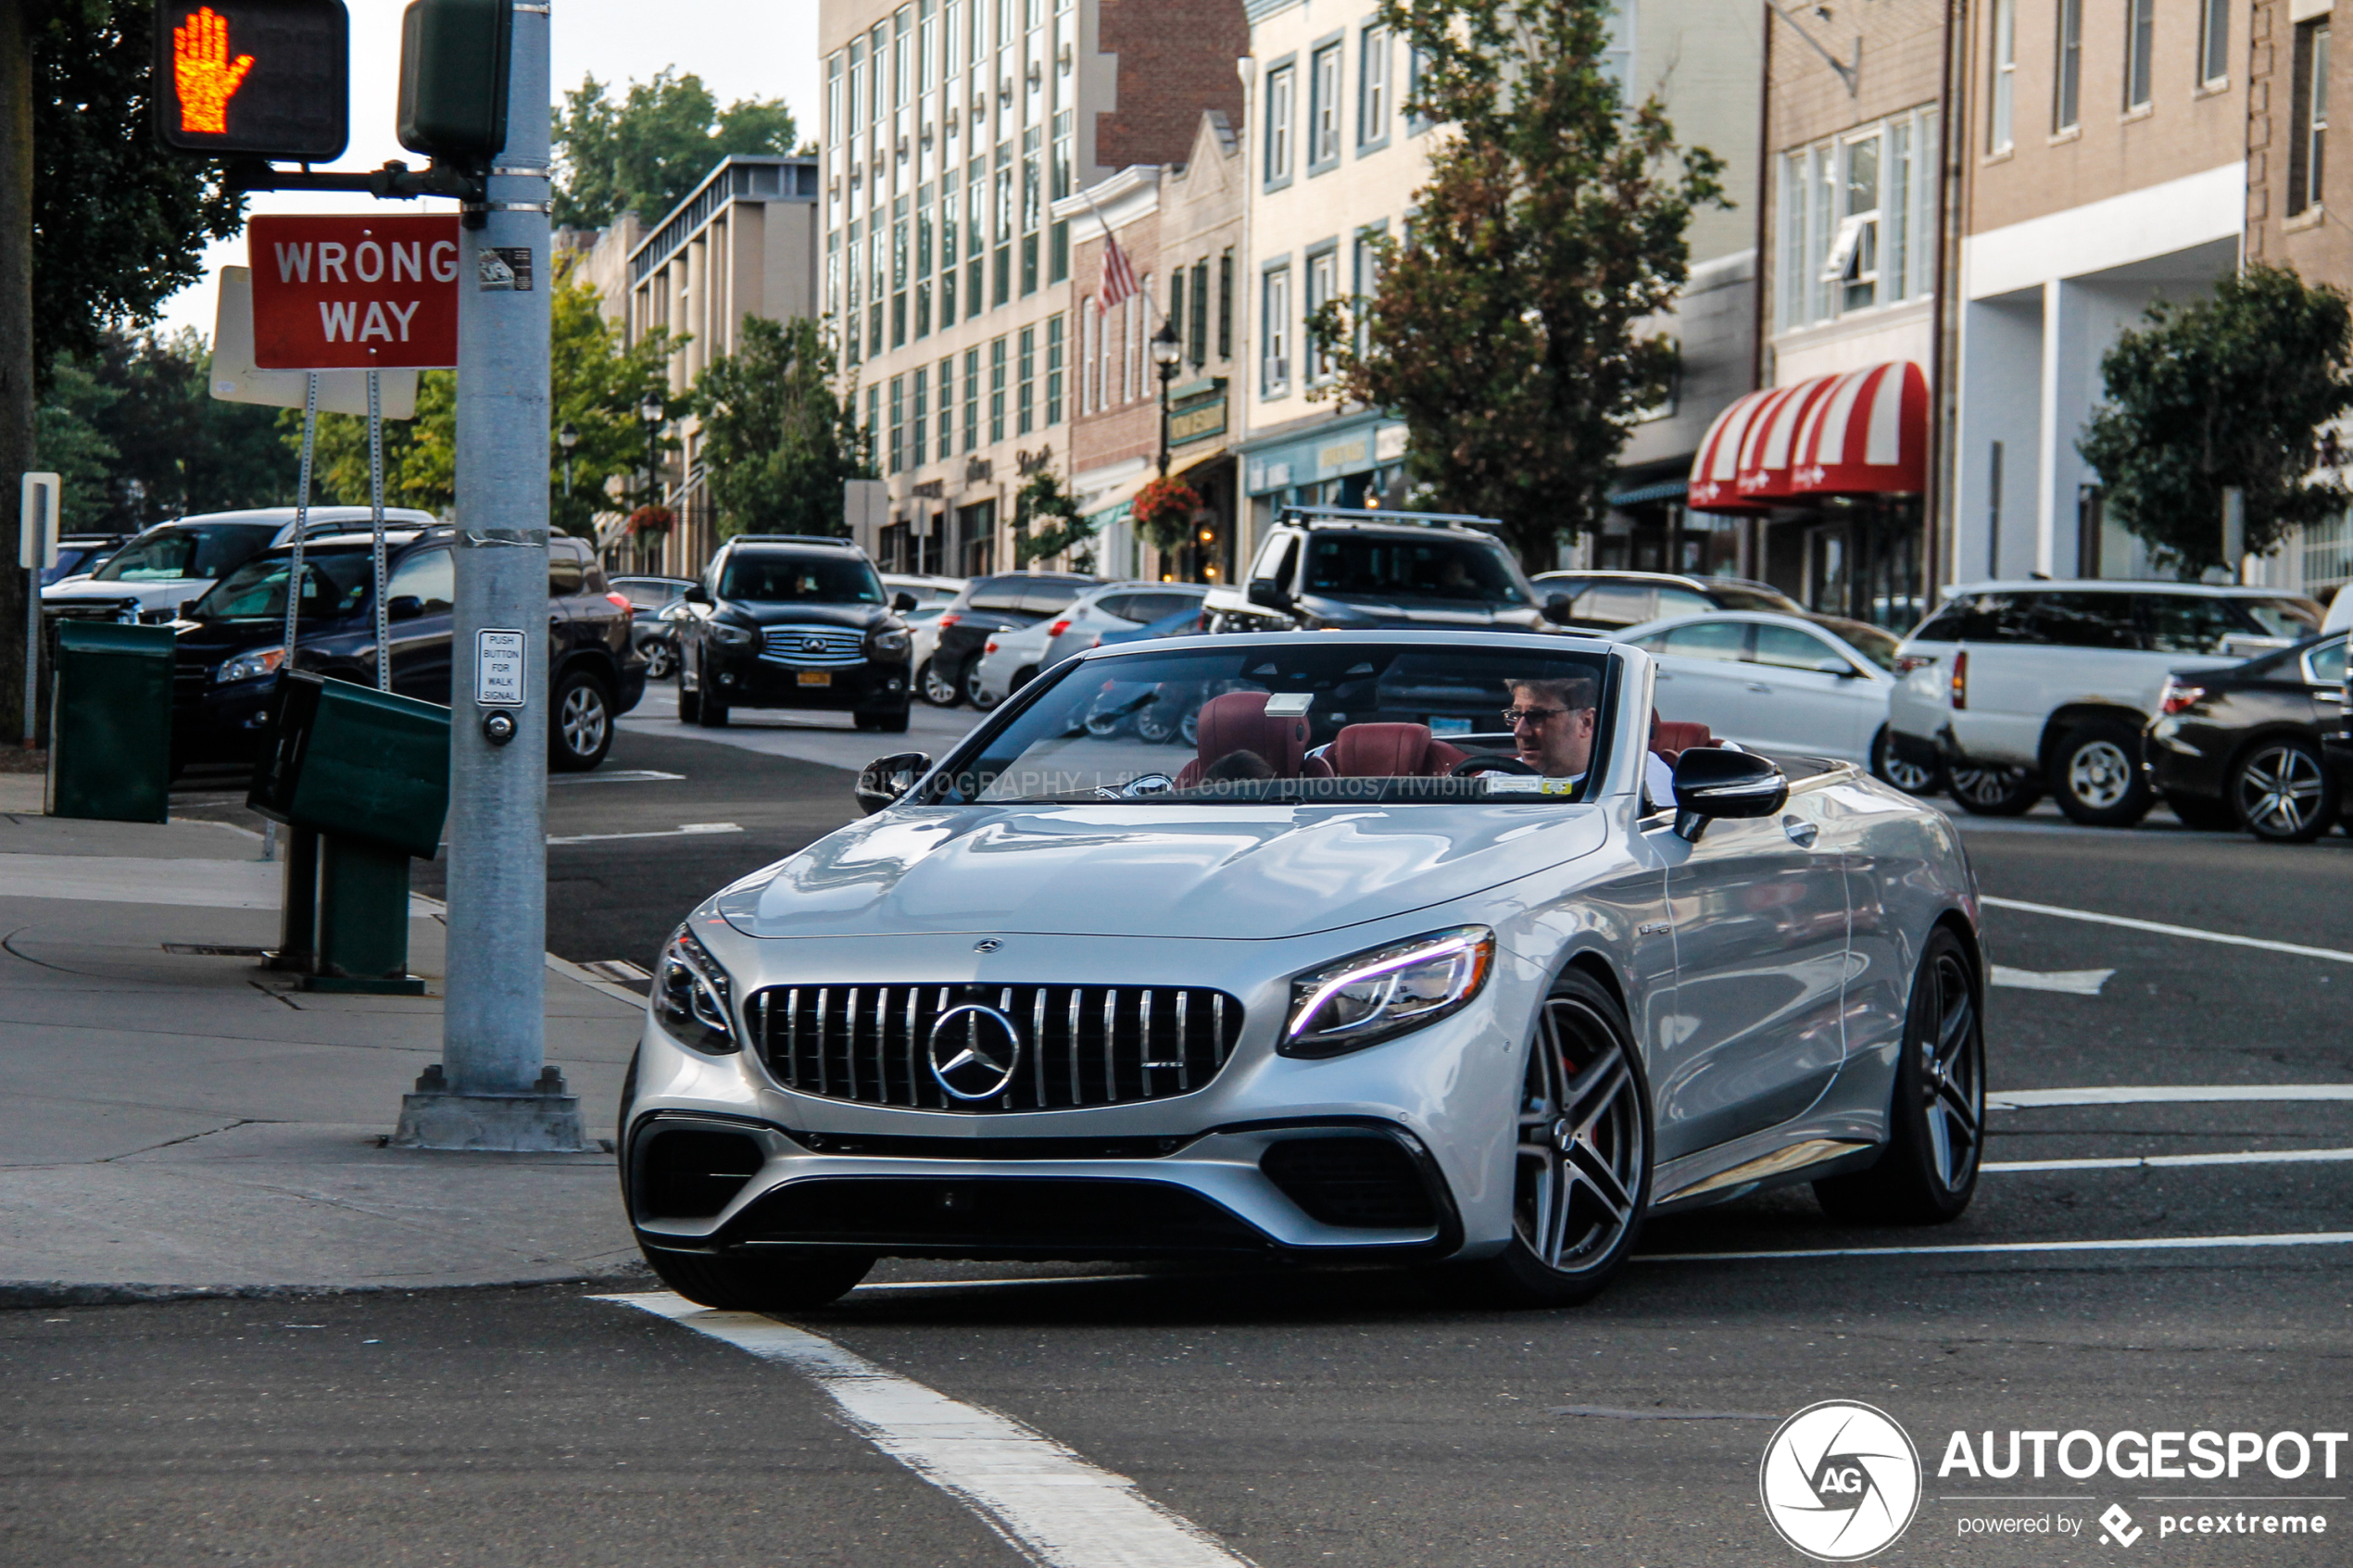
(987, 944)
(975, 1052)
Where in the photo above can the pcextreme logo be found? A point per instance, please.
(1840, 1480)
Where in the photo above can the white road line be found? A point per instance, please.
(2073, 982)
(2167, 1161)
(992, 1284)
(2161, 929)
(615, 775)
(1050, 1505)
(689, 829)
(2184, 1243)
(2163, 1094)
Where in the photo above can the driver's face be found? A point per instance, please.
(1555, 741)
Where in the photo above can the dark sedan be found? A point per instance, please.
(653, 621)
(988, 604)
(2240, 747)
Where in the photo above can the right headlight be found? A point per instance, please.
(733, 636)
(1385, 992)
(694, 997)
(890, 642)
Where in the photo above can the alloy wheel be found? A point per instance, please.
(2282, 792)
(1992, 789)
(1582, 1154)
(1952, 1078)
(937, 689)
(1910, 777)
(583, 720)
(2099, 775)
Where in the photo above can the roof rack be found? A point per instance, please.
(844, 542)
(1310, 516)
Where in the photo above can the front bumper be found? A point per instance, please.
(746, 680)
(222, 724)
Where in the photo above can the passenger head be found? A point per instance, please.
(1240, 765)
(1553, 720)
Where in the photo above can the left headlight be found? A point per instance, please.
(693, 997)
(1379, 994)
(888, 643)
(251, 665)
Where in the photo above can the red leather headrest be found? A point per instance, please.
(1238, 722)
(1670, 738)
(1365, 751)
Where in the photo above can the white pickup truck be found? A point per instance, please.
(2019, 687)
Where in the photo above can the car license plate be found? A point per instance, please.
(1443, 726)
(817, 677)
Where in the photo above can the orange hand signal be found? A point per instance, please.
(204, 74)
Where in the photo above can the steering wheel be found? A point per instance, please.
(1491, 763)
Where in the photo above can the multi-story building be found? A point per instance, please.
(1179, 230)
(950, 129)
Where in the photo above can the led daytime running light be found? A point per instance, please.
(1468, 952)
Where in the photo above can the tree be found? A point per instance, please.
(776, 441)
(145, 439)
(2230, 392)
(648, 153)
(1046, 523)
(1507, 332)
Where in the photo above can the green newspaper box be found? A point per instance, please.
(110, 722)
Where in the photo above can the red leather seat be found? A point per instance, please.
(1238, 722)
(1670, 738)
(1372, 751)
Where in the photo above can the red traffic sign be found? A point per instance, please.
(357, 293)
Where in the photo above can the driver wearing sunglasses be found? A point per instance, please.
(1553, 722)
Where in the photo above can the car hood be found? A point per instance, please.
(1372, 611)
(168, 594)
(1243, 872)
(858, 616)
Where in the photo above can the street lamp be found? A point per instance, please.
(649, 411)
(1166, 352)
(568, 438)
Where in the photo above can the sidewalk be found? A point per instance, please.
(176, 1121)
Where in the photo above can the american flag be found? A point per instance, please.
(1119, 278)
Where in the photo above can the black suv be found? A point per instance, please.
(793, 620)
(232, 641)
(1336, 569)
(988, 604)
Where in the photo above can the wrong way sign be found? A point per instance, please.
(354, 292)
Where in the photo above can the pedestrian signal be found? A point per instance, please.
(453, 78)
(268, 78)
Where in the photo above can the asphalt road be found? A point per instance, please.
(1298, 1419)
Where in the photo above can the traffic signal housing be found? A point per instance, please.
(267, 79)
(454, 58)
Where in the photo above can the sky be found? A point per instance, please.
(740, 48)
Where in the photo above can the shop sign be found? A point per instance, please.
(1197, 412)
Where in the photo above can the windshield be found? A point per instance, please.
(1305, 719)
(2297, 619)
(70, 560)
(800, 579)
(1389, 568)
(335, 582)
(168, 555)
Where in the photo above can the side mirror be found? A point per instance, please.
(1557, 609)
(695, 594)
(1266, 593)
(1711, 781)
(404, 607)
(886, 778)
(903, 601)
(1839, 668)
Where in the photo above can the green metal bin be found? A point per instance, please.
(110, 722)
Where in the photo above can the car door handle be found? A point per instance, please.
(1800, 834)
(1759, 686)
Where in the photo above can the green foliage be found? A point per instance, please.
(647, 152)
(1046, 523)
(776, 441)
(2229, 392)
(595, 383)
(137, 436)
(1507, 332)
(118, 224)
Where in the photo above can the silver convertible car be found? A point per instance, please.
(1404, 960)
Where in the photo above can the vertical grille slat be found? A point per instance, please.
(1138, 1043)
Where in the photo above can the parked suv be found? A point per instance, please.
(2021, 687)
(1337, 569)
(233, 641)
(988, 604)
(793, 620)
(175, 563)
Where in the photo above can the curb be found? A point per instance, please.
(25, 1294)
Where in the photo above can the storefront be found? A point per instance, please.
(1358, 460)
(1834, 472)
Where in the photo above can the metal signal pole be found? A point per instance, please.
(492, 1088)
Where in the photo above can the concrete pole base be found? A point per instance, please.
(543, 1120)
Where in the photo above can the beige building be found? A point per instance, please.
(952, 128)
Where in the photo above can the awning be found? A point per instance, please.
(1863, 433)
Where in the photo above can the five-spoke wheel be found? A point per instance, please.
(1936, 1117)
(2283, 792)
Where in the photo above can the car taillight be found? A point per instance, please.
(1960, 679)
(2178, 694)
(1058, 628)
(619, 603)
(991, 648)
(946, 621)
(1907, 662)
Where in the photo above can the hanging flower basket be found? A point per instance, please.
(1163, 510)
(652, 520)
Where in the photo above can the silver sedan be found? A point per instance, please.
(1403, 963)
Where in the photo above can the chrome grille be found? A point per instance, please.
(1081, 1044)
(821, 648)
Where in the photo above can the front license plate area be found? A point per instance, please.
(817, 677)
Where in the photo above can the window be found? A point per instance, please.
(1322, 109)
(972, 398)
(918, 416)
(1274, 333)
(1854, 221)
(897, 451)
(2309, 114)
(430, 579)
(2187, 623)
(1226, 305)
(1854, 258)
(1199, 334)
(1053, 370)
(1322, 283)
(1786, 647)
(2140, 26)
(1997, 127)
(1281, 92)
(1176, 302)
(1372, 91)
(1025, 382)
(1722, 640)
(996, 390)
(874, 416)
(947, 447)
(2214, 43)
(2066, 94)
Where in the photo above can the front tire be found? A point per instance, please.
(660, 663)
(975, 692)
(773, 1279)
(1993, 791)
(935, 685)
(2284, 792)
(1581, 1180)
(2097, 775)
(1927, 1171)
(581, 728)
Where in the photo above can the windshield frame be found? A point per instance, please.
(795, 560)
(282, 557)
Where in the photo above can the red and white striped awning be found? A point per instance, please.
(1864, 433)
